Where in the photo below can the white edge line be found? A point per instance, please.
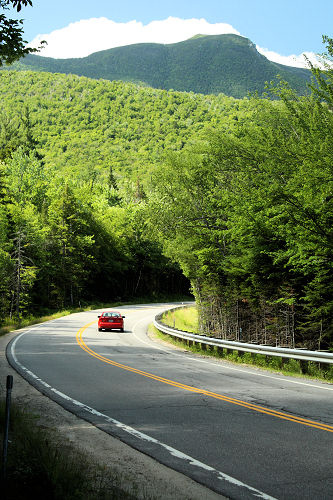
(226, 366)
(140, 435)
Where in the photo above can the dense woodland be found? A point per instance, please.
(108, 189)
(77, 157)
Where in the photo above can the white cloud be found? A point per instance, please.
(292, 60)
(84, 37)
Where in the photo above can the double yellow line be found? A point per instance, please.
(239, 402)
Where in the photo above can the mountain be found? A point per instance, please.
(211, 64)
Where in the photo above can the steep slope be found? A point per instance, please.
(227, 64)
(83, 126)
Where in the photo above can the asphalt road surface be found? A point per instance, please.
(243, 432)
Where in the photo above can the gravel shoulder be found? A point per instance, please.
(139, 474)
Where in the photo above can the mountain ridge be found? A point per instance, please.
(206, 64)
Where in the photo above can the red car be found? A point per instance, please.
(111, 320)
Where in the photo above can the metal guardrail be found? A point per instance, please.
(300, 354)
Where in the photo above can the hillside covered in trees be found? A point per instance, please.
(77, 156)
(210, 64)
(108, 189)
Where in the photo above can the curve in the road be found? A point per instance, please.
(229, 484)
(197, 419)
(260, 409)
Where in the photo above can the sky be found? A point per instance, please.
(282, 30)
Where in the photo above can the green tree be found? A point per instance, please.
(12, 45)
(249, 218)
(69, 252)
(324, 79)
(5, 263)
(26, 178)
(23, 277)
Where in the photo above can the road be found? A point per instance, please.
(243, 432)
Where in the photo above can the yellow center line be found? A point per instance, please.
(238, 402)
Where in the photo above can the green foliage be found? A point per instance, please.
(248, 216)
(12, 45)
(227, 64)
(86, 127)
(73, 183)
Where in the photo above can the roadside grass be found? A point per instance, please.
(186, 319)
(42, 466)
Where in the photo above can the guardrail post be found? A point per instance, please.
(322, 366)
(9, 386)
(304, 365)
(220, 351)
(284, 361)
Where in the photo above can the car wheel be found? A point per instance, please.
(100, 329)
(121, 329)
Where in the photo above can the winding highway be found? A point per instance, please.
(243, 432)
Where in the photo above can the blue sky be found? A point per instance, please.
(284, 26)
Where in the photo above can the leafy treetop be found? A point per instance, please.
(12, 45)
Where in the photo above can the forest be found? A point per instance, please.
(76, 158)
(111, 191)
